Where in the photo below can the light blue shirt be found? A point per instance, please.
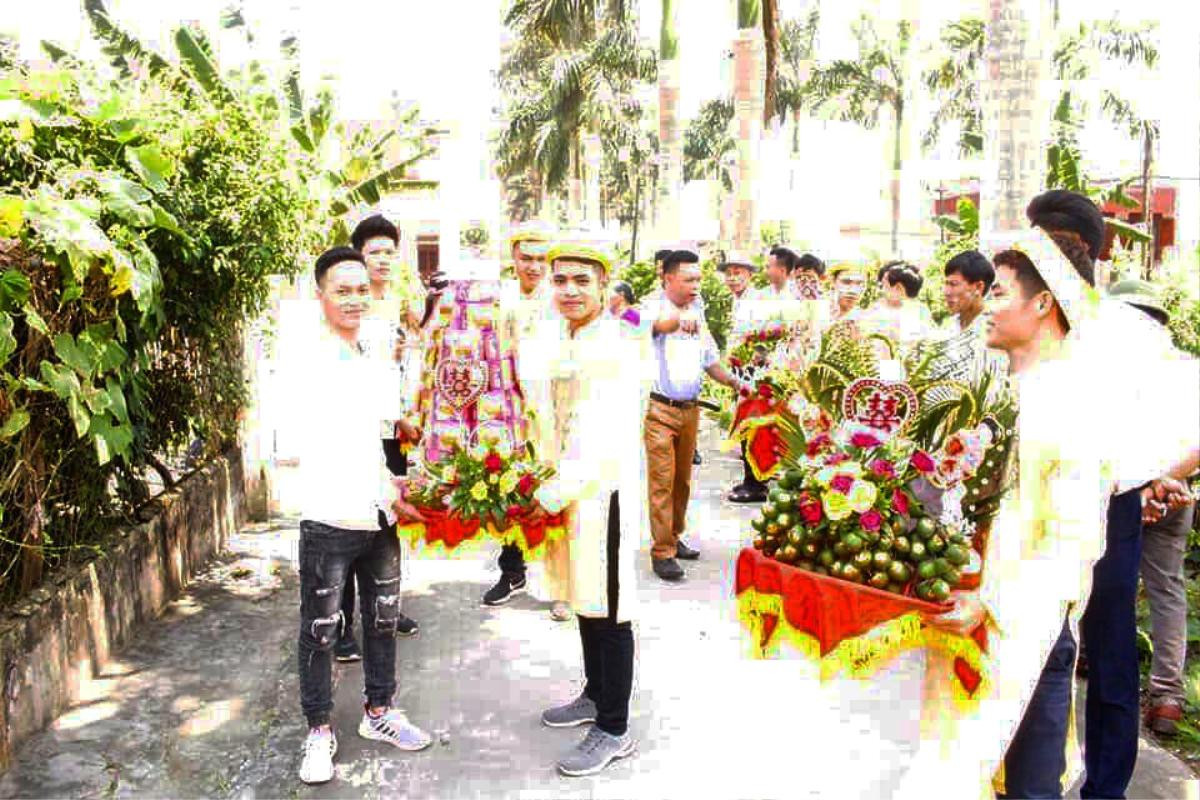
(682, 358)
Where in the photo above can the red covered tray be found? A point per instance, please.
(840, 623)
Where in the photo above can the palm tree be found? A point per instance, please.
(797, 45)
(748, 84)
(954, 84)
(862, 88)
(954, 81)
(708, 149)
(771, 34)
(570, 76)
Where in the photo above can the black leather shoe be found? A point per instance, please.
(684, 552)
(668, 569)
(696, 457)
(744, 494)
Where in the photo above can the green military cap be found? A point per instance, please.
(1141, 294)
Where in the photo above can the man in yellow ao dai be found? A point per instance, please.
(1050, 531)
(592, 373)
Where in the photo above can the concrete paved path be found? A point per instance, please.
(205, 702)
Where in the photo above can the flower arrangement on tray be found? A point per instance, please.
(480, 490)
(753, 346)
(866, 529)
(756, 417)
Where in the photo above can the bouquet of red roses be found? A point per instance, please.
(481, 491)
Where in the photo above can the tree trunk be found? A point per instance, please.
(1147, 202)
(592, 155)
(897, 163)
(748, 104)
(1015, 116)
(575, 187)
(670, 142)
(770, 23)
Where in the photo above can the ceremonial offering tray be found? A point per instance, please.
(864, 534)
(475, 473)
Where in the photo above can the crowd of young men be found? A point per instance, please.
(617, 386)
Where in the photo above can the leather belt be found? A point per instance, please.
(684, 404)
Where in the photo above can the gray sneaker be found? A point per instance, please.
(579, 711)
(597, 750)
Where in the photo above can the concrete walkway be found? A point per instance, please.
(205, 702)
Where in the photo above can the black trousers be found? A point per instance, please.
(397, 464)
(608, 645)
(1037, 756)
(512, 561)
(1109, 631)
(329, 558)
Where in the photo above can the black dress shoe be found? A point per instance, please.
(685, 552)
(668, 569)
(696, 457)
(745, 494)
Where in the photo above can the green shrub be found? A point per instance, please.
(144, 207)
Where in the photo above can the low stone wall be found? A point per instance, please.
(59, 639)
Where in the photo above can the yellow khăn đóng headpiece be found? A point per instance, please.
(1072, 293)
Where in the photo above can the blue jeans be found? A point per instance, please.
(329, 557)
(1037, 756)
(1109, 631)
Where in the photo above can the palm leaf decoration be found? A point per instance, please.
(794, 443)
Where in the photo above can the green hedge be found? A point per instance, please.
(139, 222)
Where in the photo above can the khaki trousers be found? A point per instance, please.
(670, 444)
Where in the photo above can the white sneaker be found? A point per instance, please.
(394, 728)
(320, 746)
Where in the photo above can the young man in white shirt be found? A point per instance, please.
(384, 325)
(346, 524)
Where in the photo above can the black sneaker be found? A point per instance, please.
(684, 552)
(407, 626)
(347, 649)
(668, 569)
(508, 585)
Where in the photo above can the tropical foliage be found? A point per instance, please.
(858, 90)
(145, 202)
(572, 71)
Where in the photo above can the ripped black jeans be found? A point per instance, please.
(328, 558)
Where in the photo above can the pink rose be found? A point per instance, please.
(899, 501)
(841, 483)
(871, 520)
(922, 462)
(835, 458)
(817, 444)
(883, 468)
(865, 440)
